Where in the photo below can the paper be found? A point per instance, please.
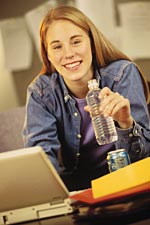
(131, 176)
(17, 44)
(33, 19)
(87, 195)
(135, 22)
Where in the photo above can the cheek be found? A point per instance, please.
(88, 55)
(54, 59)
(86, 51)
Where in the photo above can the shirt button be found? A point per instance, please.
(79, 135)
(66, 98)
(136, 131)
(75, 114)
(130, 135)
(137, 151)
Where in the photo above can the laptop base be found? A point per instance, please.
(36, 212)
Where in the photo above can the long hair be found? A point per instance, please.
(103, 51)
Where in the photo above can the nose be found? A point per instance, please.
(68, 52)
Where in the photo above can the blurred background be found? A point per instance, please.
(125, 23)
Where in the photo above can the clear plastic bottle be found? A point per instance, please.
(104, 128)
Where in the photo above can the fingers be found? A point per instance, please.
(122, 103)
(112, 103)
(105, 92)
(115, 106)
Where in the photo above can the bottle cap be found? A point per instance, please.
(92, 83)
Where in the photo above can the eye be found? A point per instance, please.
(56, 47)
(76, 42)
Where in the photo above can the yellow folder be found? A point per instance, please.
(132, 176)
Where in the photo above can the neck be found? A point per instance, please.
(78, 88)
(79, 91)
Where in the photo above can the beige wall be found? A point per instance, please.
(8, 95)
(13, 85)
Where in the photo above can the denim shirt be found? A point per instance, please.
(53, 120)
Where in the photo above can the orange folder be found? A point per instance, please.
(132, 180)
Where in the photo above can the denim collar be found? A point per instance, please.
(67, 96)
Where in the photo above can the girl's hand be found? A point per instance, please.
(115, 105)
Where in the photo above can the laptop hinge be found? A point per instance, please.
(35, 212)
(57, 200)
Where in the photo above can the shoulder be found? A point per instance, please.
(116, 69)
(43, 83)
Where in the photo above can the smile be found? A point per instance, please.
(72, 65)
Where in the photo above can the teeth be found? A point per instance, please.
(72, 65)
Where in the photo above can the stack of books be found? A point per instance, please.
(122, 192)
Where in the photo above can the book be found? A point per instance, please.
(132, 181)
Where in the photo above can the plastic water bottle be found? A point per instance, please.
(104, 128)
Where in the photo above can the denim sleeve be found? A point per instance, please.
(135, 140)
(40, 127)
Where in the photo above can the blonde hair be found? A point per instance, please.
(103, 51)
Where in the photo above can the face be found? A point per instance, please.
(69, 50)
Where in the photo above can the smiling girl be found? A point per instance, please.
(57, 118)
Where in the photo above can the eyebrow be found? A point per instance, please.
(72, 37)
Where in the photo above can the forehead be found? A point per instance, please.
(60, 29)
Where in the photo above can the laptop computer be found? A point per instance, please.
(30, 187)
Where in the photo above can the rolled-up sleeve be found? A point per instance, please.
(135, 140)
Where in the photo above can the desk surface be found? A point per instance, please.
(70, 220)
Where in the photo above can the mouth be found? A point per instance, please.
(73, 65)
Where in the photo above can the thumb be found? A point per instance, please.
(86, 108)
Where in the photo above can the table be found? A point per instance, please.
(143, 219)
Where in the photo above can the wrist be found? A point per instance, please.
(127, 124)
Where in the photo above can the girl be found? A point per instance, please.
(57, 118)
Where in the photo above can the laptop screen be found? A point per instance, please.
(28, 178)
